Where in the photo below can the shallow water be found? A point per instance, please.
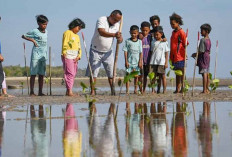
(152, 129)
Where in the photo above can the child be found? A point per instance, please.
(1, 69)
(133, 55)
(203, 60)
(159, 58)
(146, 42)
(71, 53)
(39, 53)
(155, 21)
(177, 53)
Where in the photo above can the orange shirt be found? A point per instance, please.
(177, 52)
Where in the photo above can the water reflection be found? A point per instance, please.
(39, 135)
(72, 137)
(2, 120)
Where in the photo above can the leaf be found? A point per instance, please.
(216, 81)
(83, 87)
(154, 85)
(231, 73)
(171, 79)
(126, 79)
(178, 72)
(168, 74)
(119, 82)
(210, 76)
(230, 86)
(139, 83)
(170, 62)
(133, 74)
(151, 75)
(172, 67)
(214, 88)
(150, 85)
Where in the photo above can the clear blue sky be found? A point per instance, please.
(18, 17)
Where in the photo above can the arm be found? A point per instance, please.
(65, 45)
(30, 39)
(141, 60)
(1, 58)
(117, 35)
(126, 61)
(80, 51)
(166, 60)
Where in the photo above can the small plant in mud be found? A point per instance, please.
(230, 86)
(214, 83)
(87, 97)
(46, 81)
(152, 81)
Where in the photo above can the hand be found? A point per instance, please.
(77, 59)
(194, 55)
(164, 40)
(1, 58)
(35, 43)
(140, 36)
(127, 65)
(118, 35)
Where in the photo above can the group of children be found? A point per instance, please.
(148, 51)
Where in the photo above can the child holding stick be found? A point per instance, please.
(177, 53)
(71, 53)
(159, 58)
(133, 55)
(39, 53)
(203, 60)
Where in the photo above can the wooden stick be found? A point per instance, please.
(116, 59)
(194, 73)
(90, 69)
(185, 58)
(215, 68)
(25, 59)
(50, 70)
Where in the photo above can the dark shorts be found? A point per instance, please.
(178, 65)
(145, 70)
(1, 75)
(202, 70)
(160, 69)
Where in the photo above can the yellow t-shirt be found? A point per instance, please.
(71, 46)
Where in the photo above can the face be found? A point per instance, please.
(158, 35)
(114, 18)
(145, 31)
(76, 29)
(203, 32)
(43, 26)
(134, 34)
(155, 23)
(174, 24)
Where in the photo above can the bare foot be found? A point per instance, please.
(135, 92)
(41, 94)
(32, 94)
(93, 93)
(164, 92)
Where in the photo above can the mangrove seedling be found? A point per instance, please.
(46, 80)
(214, 83)
(230, 86)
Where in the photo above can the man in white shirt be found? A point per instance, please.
(101, 46)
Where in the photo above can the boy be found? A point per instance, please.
(159, 58)
(39, 53)
(155, 21)
(146, 43)
(1, 69)
(133, 55)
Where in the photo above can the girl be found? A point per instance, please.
(177, 53)
(203, 60)
(71, 53)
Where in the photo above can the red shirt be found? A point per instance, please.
(178, 40)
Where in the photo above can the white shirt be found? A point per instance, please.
(100, 43)
(158, 52)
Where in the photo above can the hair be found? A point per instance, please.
(115, 12)
(177, 18)
(41, 19)
(145, 24)
(206, 27)
(134, 27)
(155, 17)
(158, 29)
(76, 22)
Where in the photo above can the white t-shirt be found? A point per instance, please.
(100, 43)
(158, 52)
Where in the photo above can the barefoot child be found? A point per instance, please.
(155, 21)
(39, 53)
(146, 43)
(203, 60)
(159, 58)
(71, 53)
(133, 55)
(177, 53)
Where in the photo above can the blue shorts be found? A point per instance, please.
(178, 65)
(38, 67)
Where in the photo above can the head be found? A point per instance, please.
(42, 21)
(205, 29)
(115, 17)
(76, 25)
(145, 28)
(175, 21)
(158, 32)
(134, 31)
(155, 21)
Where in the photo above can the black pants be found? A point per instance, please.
(1, 75)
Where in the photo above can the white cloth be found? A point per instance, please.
(100, 43)
(158, 52)
(72, 54)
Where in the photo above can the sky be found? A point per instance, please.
(18, 17)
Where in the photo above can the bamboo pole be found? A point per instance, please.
(215, 68)
(50, 70)
(185, 58)
(25, 60)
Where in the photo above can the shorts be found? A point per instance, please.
(178, 65)
(38, 67)
(145, 70)
(96, 58)
(202, 70)
(131, 69)
(160, 69)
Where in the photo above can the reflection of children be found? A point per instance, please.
(39, 53)
(146, 42)
(203, 60)
(177, 53)
(133, 55)
(71, 53)
(159, 58)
